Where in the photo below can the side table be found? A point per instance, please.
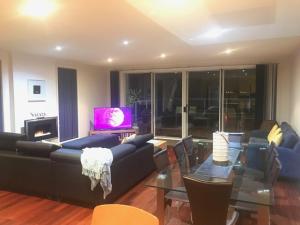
(158, 145)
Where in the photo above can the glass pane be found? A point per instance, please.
(138, 96)
(168, 102)
(239, 100)
(203, 101)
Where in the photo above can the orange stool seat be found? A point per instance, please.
(115, 214)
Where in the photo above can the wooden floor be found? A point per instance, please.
(18, 209)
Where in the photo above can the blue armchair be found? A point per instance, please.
(288, 150)
(290, 160)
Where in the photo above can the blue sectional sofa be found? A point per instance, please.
(288, 150)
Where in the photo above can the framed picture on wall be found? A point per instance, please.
(36, 90)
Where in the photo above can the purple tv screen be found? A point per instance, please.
(112, 118)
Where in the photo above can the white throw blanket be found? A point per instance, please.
(96, 164)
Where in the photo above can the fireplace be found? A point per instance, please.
(41, 129)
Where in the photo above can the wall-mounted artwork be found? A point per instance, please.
(36, 90)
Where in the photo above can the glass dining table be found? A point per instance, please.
(244, 190)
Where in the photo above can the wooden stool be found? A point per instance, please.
(115, 214)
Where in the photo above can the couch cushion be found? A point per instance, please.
(66, 156)
(140, 140)
(35, 148)
(8, 140)
(122, 150)
(285, 126)
(290, 138)
(98, 140)
(73, 155)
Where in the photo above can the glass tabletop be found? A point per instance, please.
(244, 189)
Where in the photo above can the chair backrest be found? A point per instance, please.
(274, 173)
(272, 155)
(188, 144)
(181, 155)
(112, 214)
(209, 201)
(161, 160)
(235, 140)
(194, 155)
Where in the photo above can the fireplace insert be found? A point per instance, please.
(41, 129)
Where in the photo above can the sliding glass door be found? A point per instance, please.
(168, 104)
(203, 103)
(197, 103)
(239, 103)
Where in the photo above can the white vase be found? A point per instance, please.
(220, 146)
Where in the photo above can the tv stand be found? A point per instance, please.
(121, 133)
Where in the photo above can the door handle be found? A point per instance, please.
(185, 108)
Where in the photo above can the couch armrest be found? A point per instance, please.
(290, 161)
(66, 155)
(122, 150)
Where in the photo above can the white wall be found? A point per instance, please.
(295, 92)
(26, 68)
(92, 83)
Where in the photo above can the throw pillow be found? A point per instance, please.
(277, 139)
(35, 148)
(272, 131)
(275, 133)
(126, 139)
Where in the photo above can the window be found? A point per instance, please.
(138, 97)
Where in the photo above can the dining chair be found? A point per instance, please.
(161, 159)
(209, 201)
(270, 182)
(261, 179)
(274, 173)
(115, 214)
(271, 154)
(193, 153)
(181, 156)
(188, 144)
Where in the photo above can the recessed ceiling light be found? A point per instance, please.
(109, 60)
(162, 55)
(58, 48)
(228, 51)
(215, 32)
(38, 8)
(125, 42)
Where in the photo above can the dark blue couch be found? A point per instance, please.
(288, 150)
(39, 169)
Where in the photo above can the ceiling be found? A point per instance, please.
(189, 32)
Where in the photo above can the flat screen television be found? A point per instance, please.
(106, 118)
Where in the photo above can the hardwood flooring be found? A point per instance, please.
(18, 209)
